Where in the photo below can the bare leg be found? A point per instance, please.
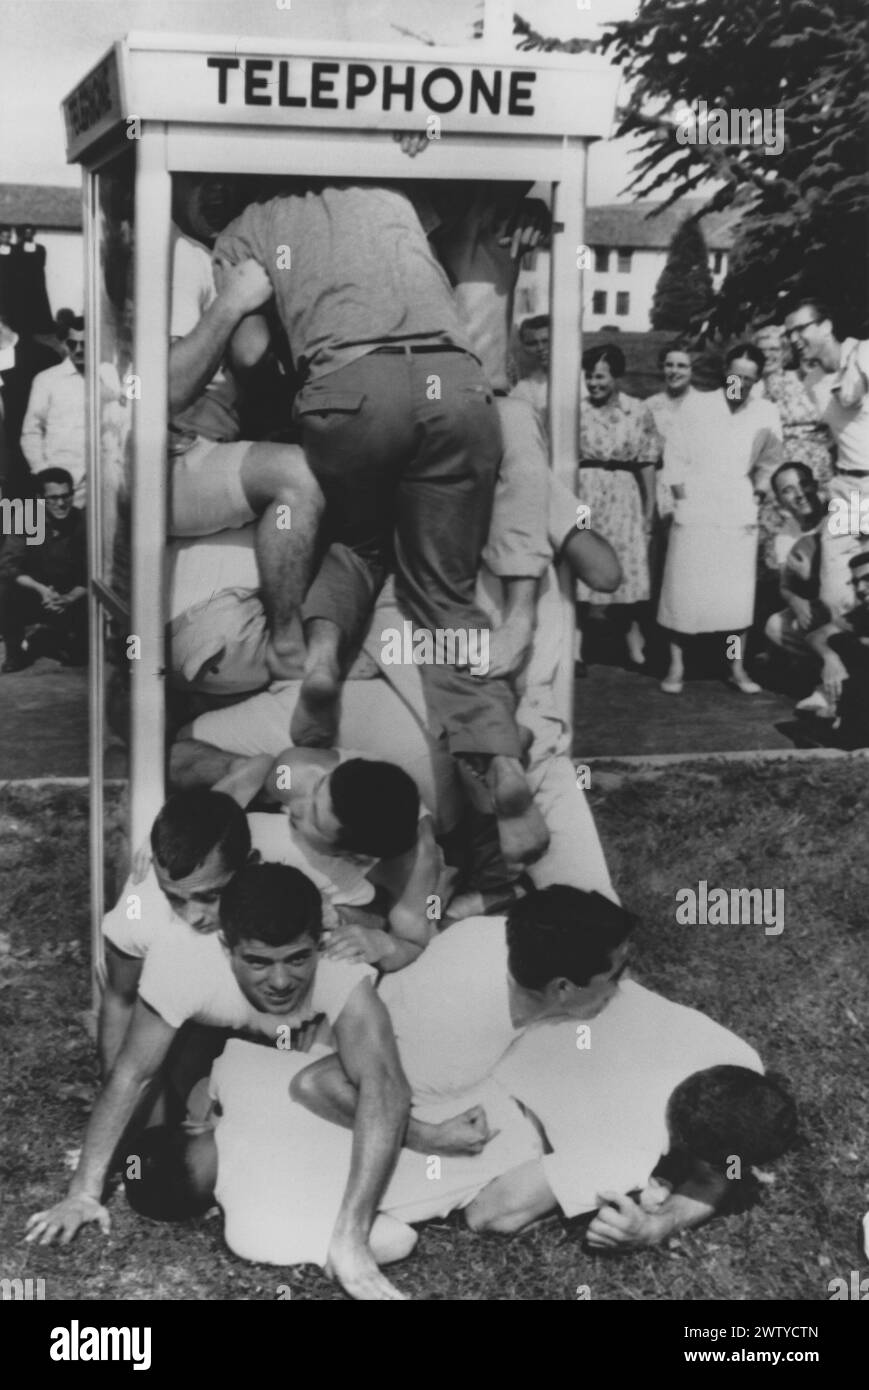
(315, 719)
(738, 675)
(672, 682)
(279, 484)
(497, 784)
(634, 639)
(196, 764)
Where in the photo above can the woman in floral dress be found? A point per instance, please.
(619, 448)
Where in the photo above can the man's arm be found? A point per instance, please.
(32, 438)
(116, 1006)
(366, 1047)
(194, 359)
(140, 1059)
(325, 1089)
(834, 672)
(410, 880)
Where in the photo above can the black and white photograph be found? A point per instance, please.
(434, 661)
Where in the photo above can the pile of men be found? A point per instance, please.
(354, 982)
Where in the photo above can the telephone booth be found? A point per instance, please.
(157, 106)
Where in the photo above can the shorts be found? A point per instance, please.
(205, 489)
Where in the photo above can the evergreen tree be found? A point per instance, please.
(683, 294)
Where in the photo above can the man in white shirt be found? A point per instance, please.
(837, 380)
(53, 432)
(262, 975)
(607, 1097)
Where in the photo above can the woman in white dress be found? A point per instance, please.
(718, 459)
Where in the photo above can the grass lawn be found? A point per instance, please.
(798, 997)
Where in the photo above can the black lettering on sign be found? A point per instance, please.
(444, 104)
(223, 65)
(517, 96)
(361, 81)
(284, 98)
(492, 97)
(92, 100)
(255, 84)
(391, 88)
(323, 81)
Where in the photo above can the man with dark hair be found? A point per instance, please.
(793, 557)
(558, 953)
(53, 432)
(21, 360)
(44, 583)
(652, 1098)
(272, 985)
(357, 828)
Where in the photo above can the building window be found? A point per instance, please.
(598, 302)
(625, 253)
(623, 303)
(602, 259)
(717, 262)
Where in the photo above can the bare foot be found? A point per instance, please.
(521, 828)
(315, 719)
(355, 1269)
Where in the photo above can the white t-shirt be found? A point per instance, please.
(282, 1171)
(340, 878)
(450, 1011)
(603, 1106)
(842, 399)
(187, 975)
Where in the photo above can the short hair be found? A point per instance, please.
(819, 308)
(165, 1189)
(608, 353)
(775, 328)
(748, 350)
(54, 475)
(857, 562)
(803, 469)
(726, 1112)
(562, 932)
(272, 903)
(194, 823)
(73, 324)
(534, 322)
(377, 804)
(682, 345)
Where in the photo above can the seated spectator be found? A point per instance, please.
(44, 586)
(53, 432)
(843, 646)
(21, 361)
(793, 558)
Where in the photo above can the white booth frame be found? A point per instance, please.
(231, 142)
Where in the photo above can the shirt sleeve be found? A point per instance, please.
(577, 1179)
(335, 982)
(648, 438)
(240, 240)
(165, 985)
(13, 557)
(132, 923)
(192, 287)
(32, 438)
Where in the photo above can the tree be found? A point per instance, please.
(683, 294)
(804, 226)
(804, 222)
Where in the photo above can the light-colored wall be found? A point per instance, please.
(532, 291)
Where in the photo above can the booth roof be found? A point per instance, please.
(44, 206)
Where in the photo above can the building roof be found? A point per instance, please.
(46, 207)
(629, 225)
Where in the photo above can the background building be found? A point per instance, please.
(628, 250)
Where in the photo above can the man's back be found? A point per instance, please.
(351, 267)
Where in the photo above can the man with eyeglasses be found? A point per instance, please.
(837, 380)
(53, 433)
(45, 583)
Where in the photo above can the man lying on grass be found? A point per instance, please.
(261, 975)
